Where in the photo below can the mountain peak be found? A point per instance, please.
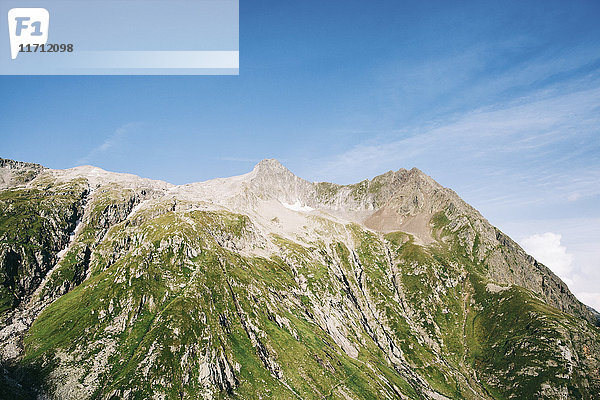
(271, 169)
(269, 164)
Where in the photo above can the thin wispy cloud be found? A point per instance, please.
(512, 131)
(111, 142)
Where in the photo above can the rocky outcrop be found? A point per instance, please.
(17, 173)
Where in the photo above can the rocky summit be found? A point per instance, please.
(267, 286)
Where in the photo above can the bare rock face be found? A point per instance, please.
(15, 173)
(270, 178)
(266, 285)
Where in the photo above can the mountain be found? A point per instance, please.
(266, 285)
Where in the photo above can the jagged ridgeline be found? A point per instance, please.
(269, 286)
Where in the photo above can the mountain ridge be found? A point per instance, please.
(356, 263)
(269, 177)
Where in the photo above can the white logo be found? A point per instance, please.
(27, 26)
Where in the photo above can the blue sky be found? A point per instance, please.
(498, 100)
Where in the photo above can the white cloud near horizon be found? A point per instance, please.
(573, 254)
(546, 248)
(579, 273)
(591, 299)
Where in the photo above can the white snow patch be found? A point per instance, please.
(297, 206)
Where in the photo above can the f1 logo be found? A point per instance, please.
(27, 26)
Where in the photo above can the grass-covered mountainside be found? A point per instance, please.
(268, 286)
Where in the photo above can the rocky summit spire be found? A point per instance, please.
(271, 178)
(271, 166)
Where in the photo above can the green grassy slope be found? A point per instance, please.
(172, 303)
